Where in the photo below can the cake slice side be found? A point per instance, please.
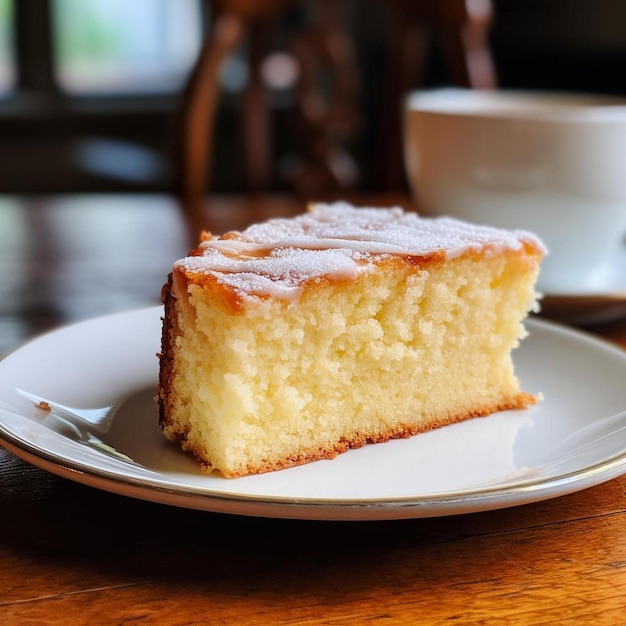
(253, 383)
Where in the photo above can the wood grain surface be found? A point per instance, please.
(70, 554)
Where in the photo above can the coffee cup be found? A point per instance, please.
(554, 164)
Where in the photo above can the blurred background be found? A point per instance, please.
(90, 90)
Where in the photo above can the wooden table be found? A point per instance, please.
(70, 554)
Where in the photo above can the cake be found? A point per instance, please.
(300, 338)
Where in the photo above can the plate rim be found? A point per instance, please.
(433, 505)
(324, 508)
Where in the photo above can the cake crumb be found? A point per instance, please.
(43, 406)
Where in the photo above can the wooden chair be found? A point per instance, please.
(231, 22)
(461, 28)
(323, 123)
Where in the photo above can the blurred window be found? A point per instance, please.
(7, 56)
(124, 46)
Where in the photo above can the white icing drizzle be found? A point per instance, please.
(337, 240)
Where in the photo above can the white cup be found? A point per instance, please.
(552, 164)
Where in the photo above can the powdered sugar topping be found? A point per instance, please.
(277, 257)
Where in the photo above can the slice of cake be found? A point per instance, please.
(298, 339)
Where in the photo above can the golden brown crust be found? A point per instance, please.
(234, 301)
(165, 356)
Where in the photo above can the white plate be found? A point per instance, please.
(99, 378)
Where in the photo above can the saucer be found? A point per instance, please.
(602, 300)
